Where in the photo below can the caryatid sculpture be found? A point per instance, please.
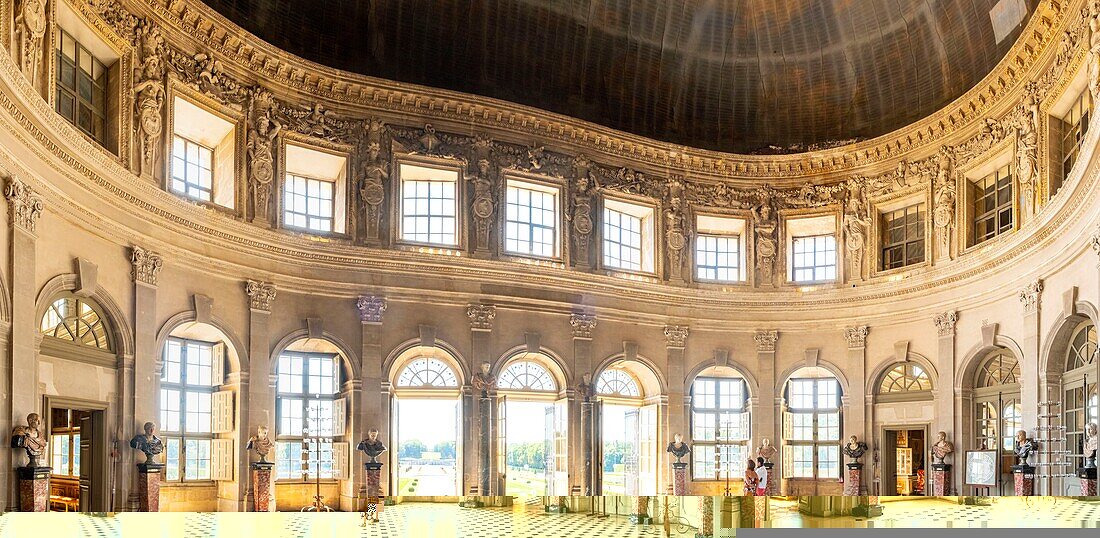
(260, 444)
(148, 443)
(30, 438)
(941, 448)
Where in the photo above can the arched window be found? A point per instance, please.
(811, 425)
(1080, 401)
(719, 423)
(75, 320)
(905, 377)
(617, 383)
(526, 375)
(999, 369)
(189, 411)
(309, 414)
(1082, 349)
(997, 411)
(427, 373)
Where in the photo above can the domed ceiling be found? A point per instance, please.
(747, 76)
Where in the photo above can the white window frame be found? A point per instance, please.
(819, 423)
(636, 212)
(514, 222)
(304, 157)
(187, 186)
(730, 230)
(709, 404)
(196, 119)
(417, 175)
(320, 452)
(177, 440)
(817, 245)
(306, 192)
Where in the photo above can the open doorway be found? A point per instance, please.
(628, 435)
(532, 432)
(427, 441)
(905, 461)
(78, 459)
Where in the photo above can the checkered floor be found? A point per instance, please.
(1005, 512)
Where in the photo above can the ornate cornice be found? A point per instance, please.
(856, 336)
(765, 340)
(146, 266)
(945, 322)
(481, 316)
(260, 294)
(582, 325)
(1029, 296)
(371, 308)
(676, 336)
(25, 205)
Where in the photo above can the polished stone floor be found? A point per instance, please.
(1005, 512)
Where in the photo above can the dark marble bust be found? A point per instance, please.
(148, 443)
(371, 446)
(678, 448)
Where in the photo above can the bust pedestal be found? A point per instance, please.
(1023, 479)
(769, 488)
(640, 515)
(1087, 476)
(679, 478)
(263, 490)
(374, 478)
(149, 486)
(34, 489)
(941, 479)
(706, 517)
(853, 480)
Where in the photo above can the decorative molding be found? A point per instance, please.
(856, 336)
(945, 322)
(1094, 240)
(765, 340)
(25, 205)
(260, 294)
(1030, 295)
(676, 336)
(582, 325)
(371, 308)
(146, 266)
(481, 316)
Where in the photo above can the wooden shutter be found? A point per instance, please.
(221, 420)
(341, 460)
(217, 361)
(788, 461)
(221, 460)
(339, 417)
(745, 434)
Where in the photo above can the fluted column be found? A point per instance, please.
(261, 390)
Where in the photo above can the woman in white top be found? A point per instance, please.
(762, 472)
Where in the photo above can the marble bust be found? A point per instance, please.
(941, 448)
(766, 450)
(484, 381)
(148, 443)
(371, 446)
(1090, 445)
(30, 439)
(1024, 446)
(855, 449)
(678, 447)
(260, 443)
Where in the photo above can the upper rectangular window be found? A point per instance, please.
(1075, 124)
(309, 203)
(192, 169)
(719, 252)
(429, 205)
(627, 236)
(903, 237)
(992, 198)
(204, 150)
(314, 190)
(814, 258)
(81, 89)
(531, 219)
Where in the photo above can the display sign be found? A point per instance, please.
(981, 468)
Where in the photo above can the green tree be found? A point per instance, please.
(411, 449)
(446, 449)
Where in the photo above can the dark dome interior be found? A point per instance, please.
(745, 76)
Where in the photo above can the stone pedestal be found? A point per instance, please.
(1023, 479)
(640, 514)
(485, 446)
(374, 479)
(34, 489)
(679, 478)
(263, 490)
(148, 491)
(706, 517)
(941, 479)
(852, 481)
(770, 488)
(1087, 476)
(753, 510)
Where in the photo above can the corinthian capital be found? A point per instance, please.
(146, 266)
(260, 294)
(371, 308)
(945, 322)
(582, 325)
(1029, 295)
(856, 336)
(676, 336)
(765, 340)
(25, 205)
(481, 316)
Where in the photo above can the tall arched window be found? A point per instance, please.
(427, 373)
(75, 320)
(719, 423)
(310, 416)
(192, 409)
(1081, 404)
(428, 422)
(629, 425)
(533, 433)
(997, 412)
(811, 425)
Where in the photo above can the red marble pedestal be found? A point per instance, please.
(149, 486)
(769, 488)
(851, 483)
(34, 489)
(374, 479)
(706, 517)
(640, 515)
(1087, 476)
(754, 511)
(679, 478)
(1023, 479)
(263, 491)
(941, 479)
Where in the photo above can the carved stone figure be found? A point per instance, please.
(483, 381)
(854, 449)
(678, 447)
(765, 226)
(766, 450)
(30, 26)
(374, 171)
(581, 216)
(675, 235)
(1090, 445)
(483, 206)
(260, 443)
(149, 96)
(1093, 58)
(1024, 446)
(941, 448)
(372, 447)
(31, 439)
(857, 223)
(148, 443)
(1027, 150)
(261, 142)
(429, 139)
(943, 214)
(585, 389)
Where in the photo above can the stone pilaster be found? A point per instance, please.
(949, 412)
(858, 418)
(261, 391)
(763, 414)
(581, 410)
(145, 272)
(481, 466)
(374, 412)
(675, 341)
(1030, 297)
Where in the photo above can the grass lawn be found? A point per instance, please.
(522, 483)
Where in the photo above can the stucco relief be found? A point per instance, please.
(857, 225)
(580, 215)
(676, 235)
(30, 27)
(149, 96)
(374, 171)
(263, 130)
